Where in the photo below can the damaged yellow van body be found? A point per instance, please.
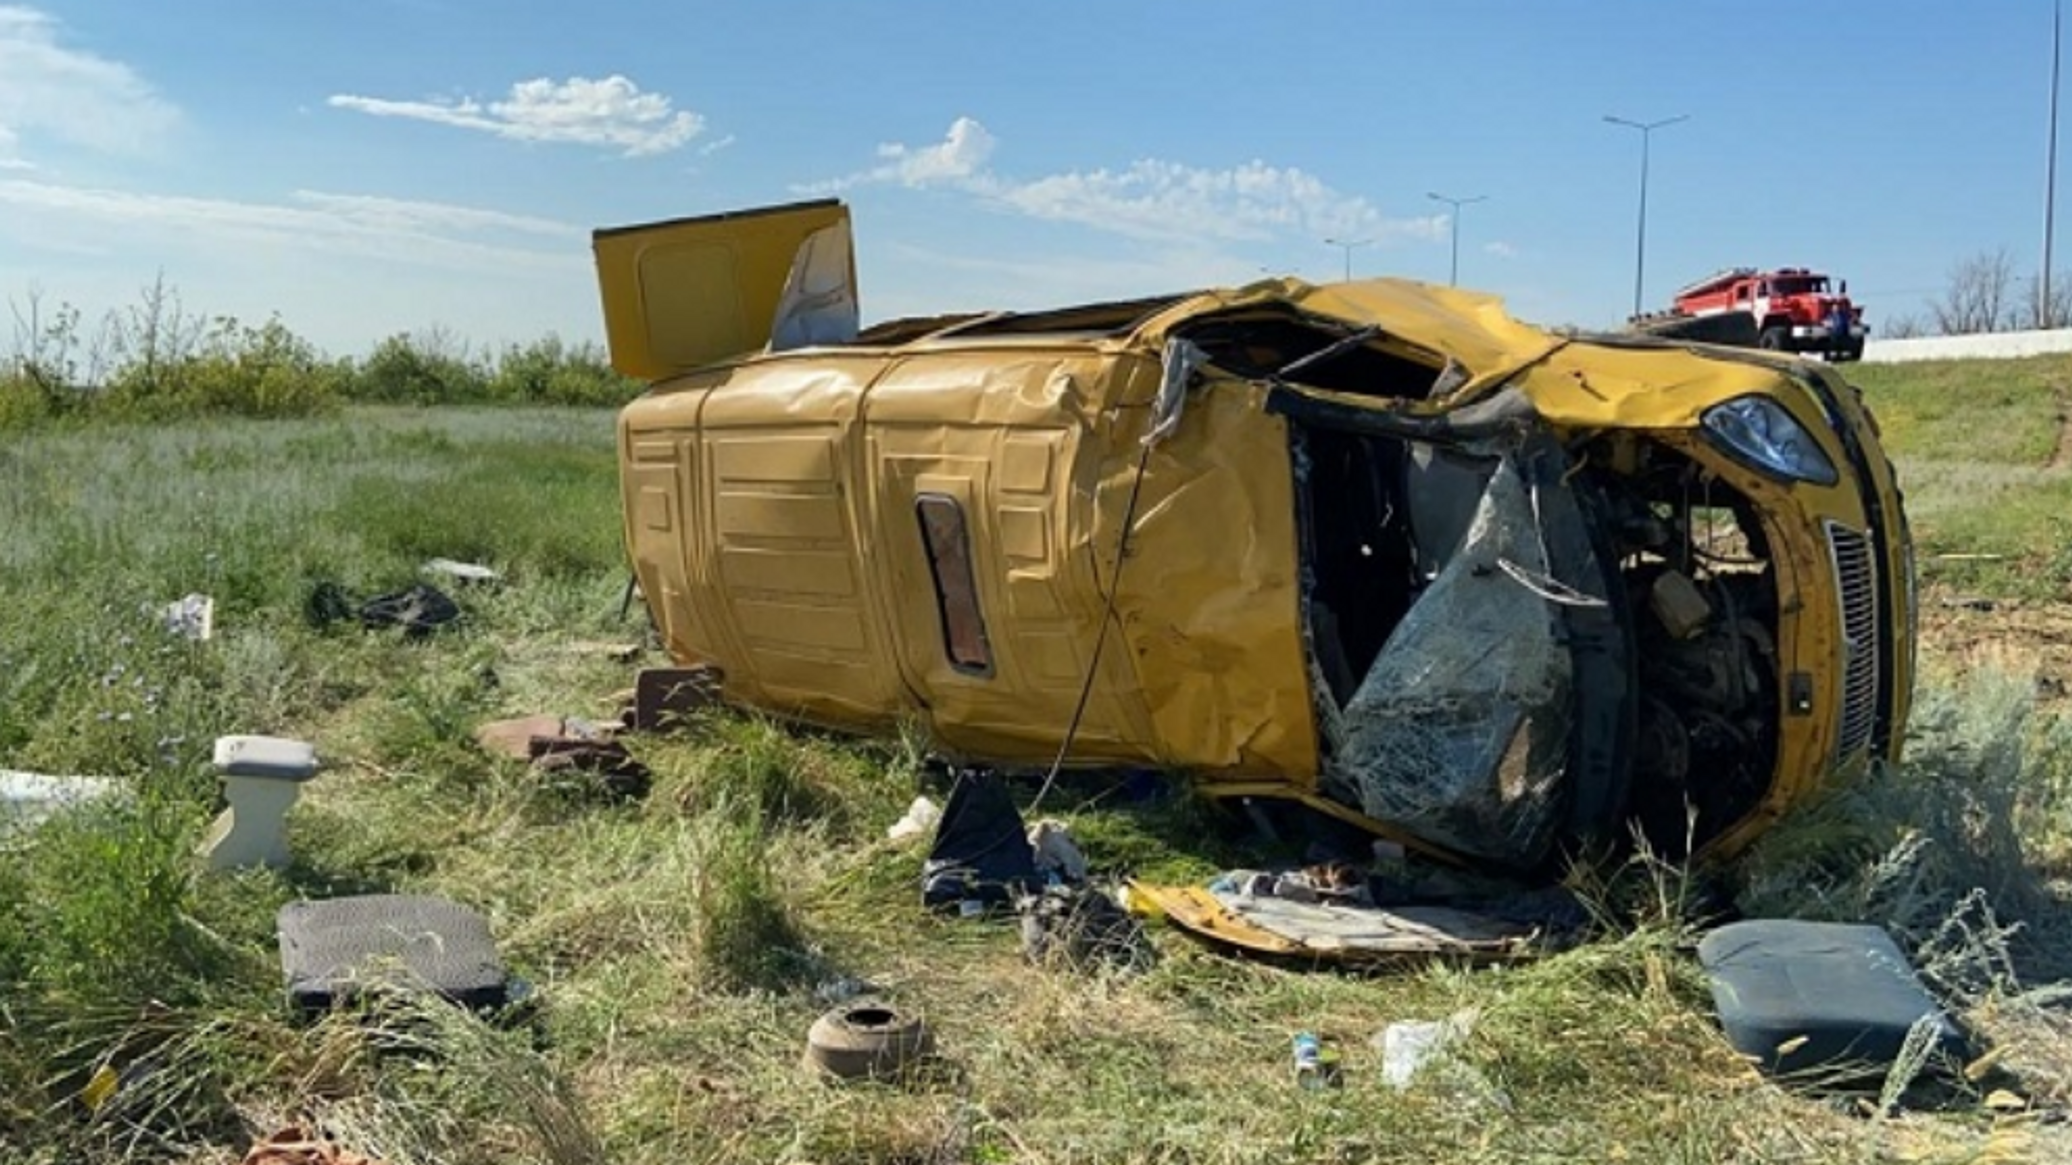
(1216, 534)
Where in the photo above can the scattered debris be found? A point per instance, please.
(610, 769)
(100, 1088)
(558, 744)
(27, 798)
(1427, 1050)
(981, 857)
(1248, 910)
(1970, 603)
(1336, 882)
(920, 817)
(1825, 1002)
(419, 609)
(513, 738)
(867, 1039)
(332, 949)
(262, 777)
(845, 988)
(296, 1146)
(1316, 1067)
(1057, 856)
(1408, 1046)
(665, 696)
(614, 650)
(192, 618)
(1084, 929)
(462, 573)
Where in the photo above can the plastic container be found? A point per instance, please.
(1315, 1068)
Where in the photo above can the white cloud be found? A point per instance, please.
(1157, 199)
(394, 230)
(59, 94)
(1151, 199)
(959, 159)
(942, 281)
(396, 214)
(1500, 249)
(609, 111)
(961, 154)
(715, 146)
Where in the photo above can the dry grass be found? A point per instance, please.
(681, 945)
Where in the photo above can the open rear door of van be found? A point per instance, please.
(688, 292)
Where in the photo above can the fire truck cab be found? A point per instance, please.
(1793, 309)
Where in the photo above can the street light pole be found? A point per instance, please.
(1348, 245)
(1453, 272)
(2050, 172)
(1640, 247)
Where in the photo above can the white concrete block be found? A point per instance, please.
(262, 777)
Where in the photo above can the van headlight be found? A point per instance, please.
(1759, 431)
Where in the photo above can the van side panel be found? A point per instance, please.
(783, 500)
(1002, 438)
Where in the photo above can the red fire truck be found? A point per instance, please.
(1791, 309)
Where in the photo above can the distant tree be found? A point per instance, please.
(150, 338)
(1976, 299)
(2032, 314)
(1905, 326)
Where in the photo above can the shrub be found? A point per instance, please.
(155, 360)
(267, 371)
(1906, 845)
(22, 403)
(428, 368)
(550, 372)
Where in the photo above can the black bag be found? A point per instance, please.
(419, 611)
(981, 850)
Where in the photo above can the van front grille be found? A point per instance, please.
(1856, 584)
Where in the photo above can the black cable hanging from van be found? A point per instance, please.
(1093, 666)
(1181, 359)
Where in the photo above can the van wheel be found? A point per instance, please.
(1771, 338)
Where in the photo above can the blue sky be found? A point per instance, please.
(393, 165)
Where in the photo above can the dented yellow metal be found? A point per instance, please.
(770, 507)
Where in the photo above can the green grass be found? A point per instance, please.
(680, 944)
(1985, 455)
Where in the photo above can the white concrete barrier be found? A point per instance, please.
(1989, 345)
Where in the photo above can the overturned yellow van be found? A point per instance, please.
(1375, 547)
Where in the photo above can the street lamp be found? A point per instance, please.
(1640, 248)
(2050, 171)
(1348, 245)
(1453, 273)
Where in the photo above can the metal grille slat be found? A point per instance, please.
(1856, 584)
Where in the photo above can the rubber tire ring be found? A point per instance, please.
(866, 1039)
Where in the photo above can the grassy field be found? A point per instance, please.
(1985, 451)
(682, 944)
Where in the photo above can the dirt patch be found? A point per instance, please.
(2010, 633)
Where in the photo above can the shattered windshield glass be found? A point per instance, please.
(1459, 732)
